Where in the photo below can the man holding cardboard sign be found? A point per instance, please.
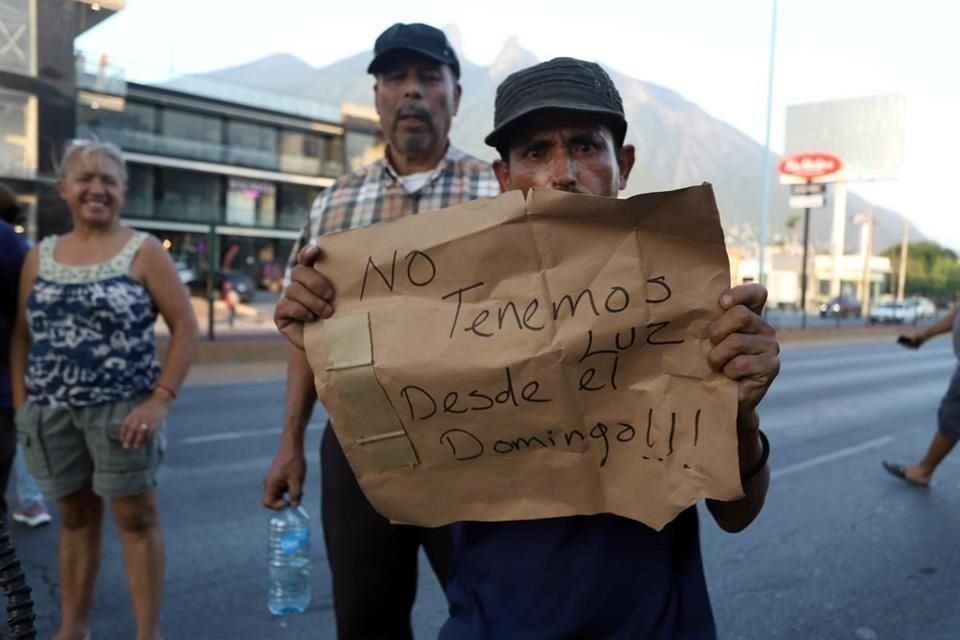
(551, 371)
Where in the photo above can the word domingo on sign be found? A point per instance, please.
(527, 358)
(465, 445)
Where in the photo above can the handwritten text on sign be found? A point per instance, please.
(514, 359)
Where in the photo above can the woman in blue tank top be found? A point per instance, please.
(90, 394)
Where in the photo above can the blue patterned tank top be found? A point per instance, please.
(92, 331)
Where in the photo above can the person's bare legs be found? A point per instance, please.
(922, 471)
(139, 526)
(81, 518)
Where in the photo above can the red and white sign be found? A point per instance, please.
(810, 165)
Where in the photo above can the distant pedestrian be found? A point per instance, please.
(31, 509)
(90, 393)
(920, 473)
(231, 299)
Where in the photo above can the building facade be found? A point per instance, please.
(223, 175)
(225, 185)
(784, 276)
(38, 97)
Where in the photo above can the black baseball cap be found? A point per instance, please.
(417, 37)
(562, 83)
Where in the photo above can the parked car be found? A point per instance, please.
(925, 307)
(889, 313)
(910, 310)
(241, 282)
(841, 306)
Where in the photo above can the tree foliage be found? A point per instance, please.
(932, 271)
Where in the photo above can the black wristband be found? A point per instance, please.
(764, 456)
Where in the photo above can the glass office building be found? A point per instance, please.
(223, 175)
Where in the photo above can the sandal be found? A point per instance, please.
(900, 471)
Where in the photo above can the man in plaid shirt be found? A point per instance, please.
(372, 562)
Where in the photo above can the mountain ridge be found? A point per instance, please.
(678, 143)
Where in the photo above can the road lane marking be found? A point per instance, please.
(175, 473)
(778, 473)
(264, 463)
(851, 362)
(241, 435)
(833, 379)
(830, 457)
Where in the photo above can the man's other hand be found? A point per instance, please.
(745, 346)
(914, 341)
(308, 297)
(285, 476)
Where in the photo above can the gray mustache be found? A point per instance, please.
(413, 112)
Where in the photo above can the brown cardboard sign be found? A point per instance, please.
(510, 359)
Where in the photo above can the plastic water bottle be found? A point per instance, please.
(289, 558)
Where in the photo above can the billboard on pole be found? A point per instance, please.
(867, 134)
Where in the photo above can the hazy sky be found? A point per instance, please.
(713, 53)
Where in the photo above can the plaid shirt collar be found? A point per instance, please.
(450, 155)
(376, 193)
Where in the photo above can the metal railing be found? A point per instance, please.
(16, 168)
(293, 105)
(153, 143)
(102, 76)
(288, 219)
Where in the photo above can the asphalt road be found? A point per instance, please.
(794, 320)
(841, 551)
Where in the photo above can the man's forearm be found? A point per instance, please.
(944, 325)
(300, 399)
(737, 515)
(183, 345)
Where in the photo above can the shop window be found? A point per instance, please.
(251, 203)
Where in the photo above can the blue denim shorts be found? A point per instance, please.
(70, 448)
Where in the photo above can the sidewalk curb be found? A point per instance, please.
(234, 359)
(236, 348)
(795, 335)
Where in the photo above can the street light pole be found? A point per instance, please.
(867, 242)
(803, 268)
(212, 253)
(765, 202)
(904, 247)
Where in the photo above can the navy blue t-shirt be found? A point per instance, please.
(12, 252)
(585, 577)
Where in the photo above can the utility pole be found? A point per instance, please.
(765, 198)
(803, 268)
(212, 254)
(867, 258)
(838, 235)
(902, 280)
